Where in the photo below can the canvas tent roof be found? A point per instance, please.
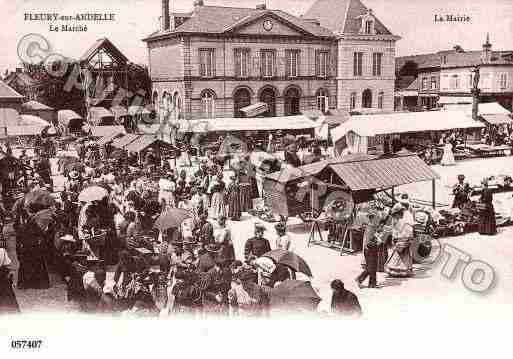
(66, 116)
(453, 100)
(497, 119)
(141, 143)
(9, 117)
(108, 138)
(36, 106)
(101, 131)
(124, 141)
(404, 122)
(249, 124)
(26, 130)
(29, 120)
(384, 173)
(362, 172)
(138, 110)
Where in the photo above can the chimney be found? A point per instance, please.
(261, 7)
(165, 15)
(486, 57)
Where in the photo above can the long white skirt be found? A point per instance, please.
(448, 158)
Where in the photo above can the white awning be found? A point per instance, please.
(454, 100)
(255, 109)
(394, 123)
(406, 93)
(299, 122)
(31, 120)
(491, 108)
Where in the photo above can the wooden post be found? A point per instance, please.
(433, 189)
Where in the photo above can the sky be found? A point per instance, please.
(413, 20)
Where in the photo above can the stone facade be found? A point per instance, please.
(178, 85)
(348, 83)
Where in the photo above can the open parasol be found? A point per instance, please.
(172, 218)
(294, 292)
(289, 259)
(38, 200)
(93, 193)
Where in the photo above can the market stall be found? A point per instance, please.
(70, 121)
(367, 133)
(355, 179)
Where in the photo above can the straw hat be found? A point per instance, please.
(397, 208)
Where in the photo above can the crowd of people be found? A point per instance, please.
(113, 256)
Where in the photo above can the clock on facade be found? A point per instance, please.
(268, 25)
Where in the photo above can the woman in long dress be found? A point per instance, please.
(448, 156)
(33, 272)
(487, 224)
(233, 197)
(8, 302)
(400, 264)
(218, 200)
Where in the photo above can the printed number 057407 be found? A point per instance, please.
(26, 344)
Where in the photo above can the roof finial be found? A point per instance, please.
(488, 38)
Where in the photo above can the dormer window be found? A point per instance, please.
(368, 26)
(368, 22)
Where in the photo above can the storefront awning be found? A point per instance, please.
(404, 122)
(299, 122)
(255, 109)
(102, 131)
(406, 93)
(454, 100)
(497, 119)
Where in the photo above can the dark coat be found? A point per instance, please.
(256, 247)
(345, 303)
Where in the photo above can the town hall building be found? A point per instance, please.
(236, 62)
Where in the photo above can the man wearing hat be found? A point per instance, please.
(461, 192)
(257, 246)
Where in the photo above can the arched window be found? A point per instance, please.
(322, 100)
(241, 99)
(381, 96)
(268, 95)
(367, 99)
(177, 105)
(208, 103)
(292, 102)
(352, 101)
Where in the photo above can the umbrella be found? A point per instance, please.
(172, 218)
(39, 199)
(44, 218)
(294, 291)
(93, 193)
(290, 260)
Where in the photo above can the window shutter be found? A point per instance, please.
(298, 64)
(275, 69)
(288, 55)
(237, 55)
(262, 63)
(201, 63)
(317, 63)
(213, 62)
(328, 64)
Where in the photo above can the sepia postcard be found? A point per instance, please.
(295, 178)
